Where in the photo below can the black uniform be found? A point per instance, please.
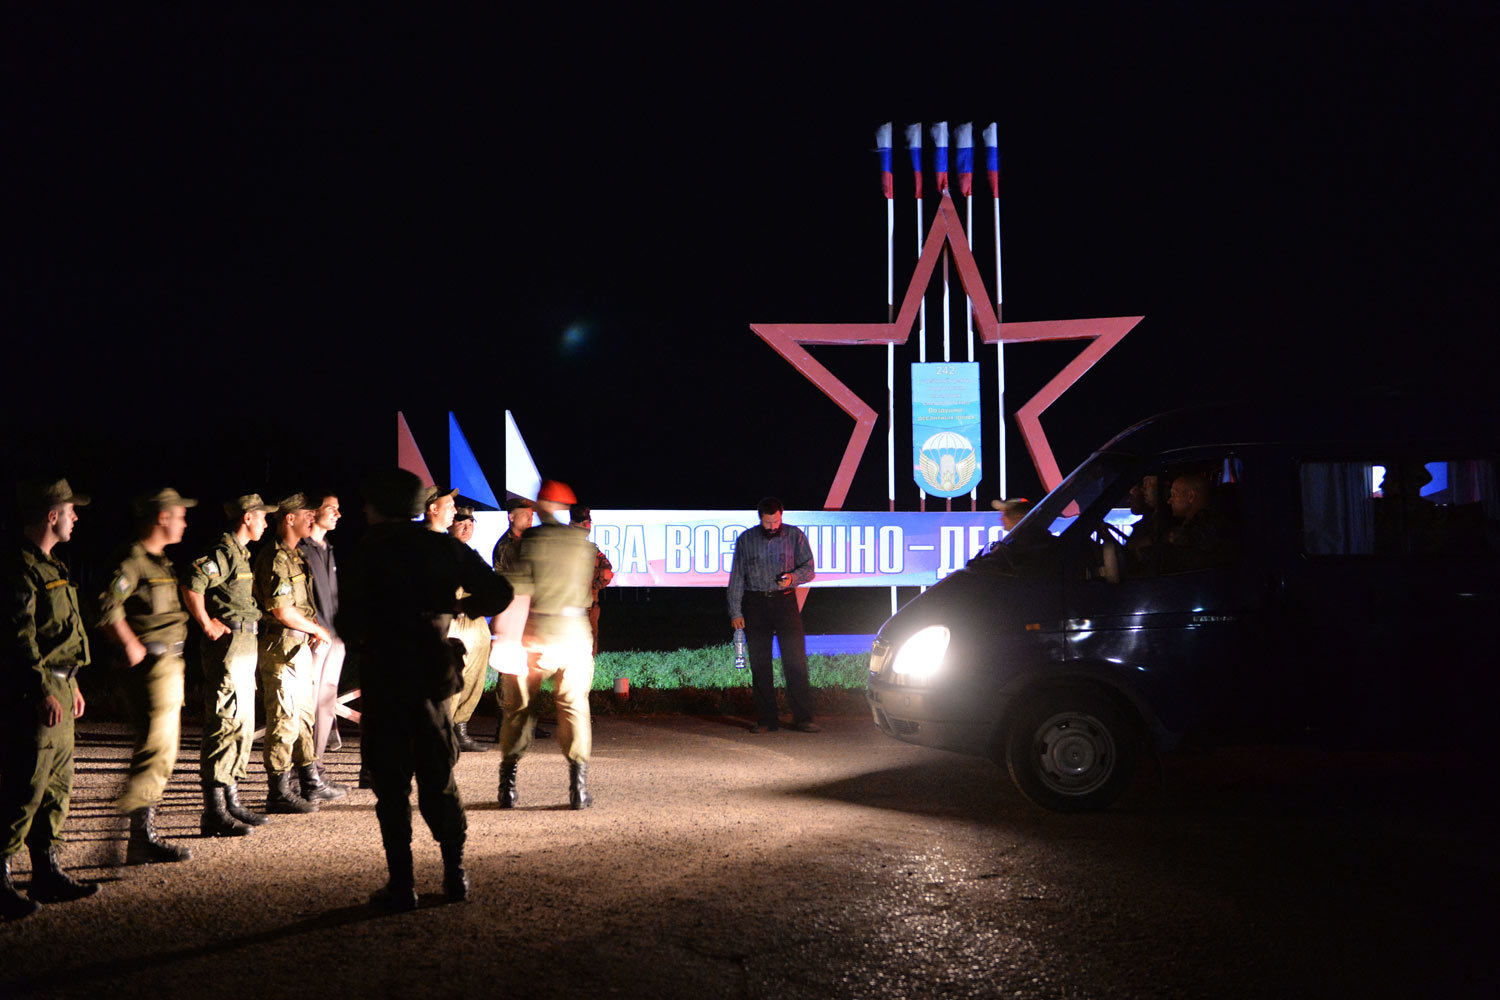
(397, 601)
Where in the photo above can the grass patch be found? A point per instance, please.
(704, 682)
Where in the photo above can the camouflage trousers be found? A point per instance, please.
(36, 772)
(154, 692)
(228, 708)
(475, 635)
(286, 684)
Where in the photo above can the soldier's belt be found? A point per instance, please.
(293, 633)
(159, 649)
(563, 613)
(251, 627)
(66, 673)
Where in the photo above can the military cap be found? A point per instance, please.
(435, 493)
(395, 493)
(294, 502)
(38, 493)
(240, 506)
(578, 513)
(162, 499)
(463, 513)
(516, 503)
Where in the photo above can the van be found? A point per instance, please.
(1218, 575)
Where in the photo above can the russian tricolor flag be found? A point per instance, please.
(914, 144)
(940, 155)
(963, 138)
(992, 156)
(883, 147)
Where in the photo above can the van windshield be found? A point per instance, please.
(1060, 508)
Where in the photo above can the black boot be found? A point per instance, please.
(282, 798)
(399, 894)
(508, 781)
(455, 879)
(365, 781)
(232, 807)
(50, 884)
(578, 790)
(13, 905)
(145, 847)
(316, 788)
(465, 743)
(216, 821)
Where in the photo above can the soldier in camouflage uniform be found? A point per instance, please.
(555, 566)
(522, 516)
(474, 633)
(39, 699)
(399, 596)
(220, 598)
(142, 612)
(288, 629)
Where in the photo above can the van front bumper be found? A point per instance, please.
(934, 718)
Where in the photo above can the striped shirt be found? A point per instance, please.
(759, 558)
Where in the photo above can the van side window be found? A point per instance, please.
(1400, 506)
(1183, 518)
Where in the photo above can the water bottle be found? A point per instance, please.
(739, 649)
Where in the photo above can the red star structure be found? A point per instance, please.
(787, 339)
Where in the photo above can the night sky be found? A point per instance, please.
(240, 241)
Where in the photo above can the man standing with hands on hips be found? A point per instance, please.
(770, 562)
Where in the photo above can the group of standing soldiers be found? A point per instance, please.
(413, 614)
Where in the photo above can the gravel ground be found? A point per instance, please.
(720, 863)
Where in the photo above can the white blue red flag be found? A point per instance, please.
(883, 147)
(914, 144)
(963, 138)
(940, 155)
(992, 156)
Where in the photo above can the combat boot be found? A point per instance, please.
(455, 879)
(465, 742)
(399, 894)
(508, 781)
(13, 905)
(578, 789)
(50, 884)
(216, 821)
(282, 798)
(232, 807)
(145, 846)
(316, 788)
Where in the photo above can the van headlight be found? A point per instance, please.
(921, 656)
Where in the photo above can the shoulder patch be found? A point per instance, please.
(121, 585)
(284, 589)
(211, 568)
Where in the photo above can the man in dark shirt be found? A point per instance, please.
(399, 599)
(1200, 539)
(328, 660)
(770, 562)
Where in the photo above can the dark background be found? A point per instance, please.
(238, 241)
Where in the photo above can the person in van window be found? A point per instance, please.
(1402, 508)
(1200, 538)
(1144, 501)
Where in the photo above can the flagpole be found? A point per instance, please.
(940, 168)
(964, 139)
(914, 144)
(887, 186)
(992, 165)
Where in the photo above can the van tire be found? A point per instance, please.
(1072, 749)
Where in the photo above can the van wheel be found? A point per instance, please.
(1072, 750)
